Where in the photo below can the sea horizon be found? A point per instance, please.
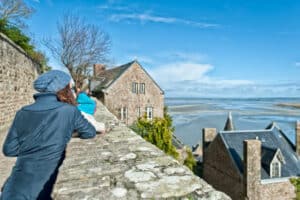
(192, 114)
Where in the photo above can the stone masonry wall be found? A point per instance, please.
(277, 191)
(120, 95)
(121, 165)
(17, 72)
(220, 172)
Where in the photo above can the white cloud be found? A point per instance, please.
(193, 79)
(116, 8)
(143, 18)
(180, 71)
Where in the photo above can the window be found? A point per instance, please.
(149, 112)
(275, 169)
(135, 87)
(123, 113)
(142, 88)
(138, 111)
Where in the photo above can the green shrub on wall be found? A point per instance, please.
(296, 183)
(159, 132)
(190, 161)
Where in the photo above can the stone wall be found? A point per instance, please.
(220, 171)
(120, 95)
(17, 72)
(122, 165)
(282, 190)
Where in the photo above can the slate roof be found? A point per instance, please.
(271, 139)
(176, 142)
(106, 78)
(109, 76)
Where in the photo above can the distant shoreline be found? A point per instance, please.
(293, 105)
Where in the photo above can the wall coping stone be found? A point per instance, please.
(122, 165)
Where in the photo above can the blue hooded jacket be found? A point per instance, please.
(38, 138)
(85, 103)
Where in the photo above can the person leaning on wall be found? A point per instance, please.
(39, 135)
(87, 107)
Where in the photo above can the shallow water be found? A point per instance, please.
(190, 116)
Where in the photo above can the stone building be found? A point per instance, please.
(252, 165)
(128, 91)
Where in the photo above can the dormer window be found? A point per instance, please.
(275, 169)
(276, 164)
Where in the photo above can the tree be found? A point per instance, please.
(79, 46)
(14, 11)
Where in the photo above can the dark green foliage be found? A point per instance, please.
(158, 132)
(296, 183)
(23, 41)
(190, 161)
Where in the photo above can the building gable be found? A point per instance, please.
(127, 70)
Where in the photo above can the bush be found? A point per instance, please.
(190, 161)
(296, 183)
(159, 132)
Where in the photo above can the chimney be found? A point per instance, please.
(208, 135)
(98, 69)
(298, 138)
(252, 168)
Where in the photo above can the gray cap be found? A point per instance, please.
(52, 81)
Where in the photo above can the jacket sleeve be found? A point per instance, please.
(11, 144)
(83, 127)
(85, 99)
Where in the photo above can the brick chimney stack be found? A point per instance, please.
(252, 168)
(98, 69)
(298, 138)
(208, 135)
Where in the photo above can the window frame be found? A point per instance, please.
(149, 112)
(135, 88)
(275, 169)
(123, 113)
(142, 88)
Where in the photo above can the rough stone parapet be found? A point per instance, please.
(122, 165)
(17, 72)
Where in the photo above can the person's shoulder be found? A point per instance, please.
(68, 107)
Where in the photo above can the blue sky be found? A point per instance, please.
(195, 48)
